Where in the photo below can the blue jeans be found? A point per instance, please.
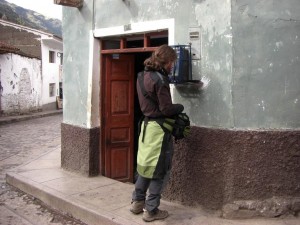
(155, 187)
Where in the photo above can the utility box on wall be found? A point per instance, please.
(181, 71)
(195, 40)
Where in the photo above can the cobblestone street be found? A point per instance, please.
(30, 143)
(22, 142)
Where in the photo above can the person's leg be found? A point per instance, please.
(166, 179)
(139, 194)
(141, 186)
(156, 185)
(169, 156)
(153, 201)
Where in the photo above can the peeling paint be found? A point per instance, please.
(21, 90)
(279, 44)
(262, 105)
(170, 4)
(213, 18)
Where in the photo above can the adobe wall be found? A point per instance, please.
(27, 42)
(20, 84)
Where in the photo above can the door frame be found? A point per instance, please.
(103, 93)
(146, 29)
(122, 122)
(139, 28)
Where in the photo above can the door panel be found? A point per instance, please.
(119, 115)
(119, 98)
(119, 135)
(119, 165)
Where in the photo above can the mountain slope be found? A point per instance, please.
(29, 18)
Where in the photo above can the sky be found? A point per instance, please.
(44, 7)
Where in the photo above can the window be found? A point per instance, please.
(51, 57)
(52, 88)
(60, 90)
(135, 43)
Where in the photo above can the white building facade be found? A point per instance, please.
(21, 84)
(41, 60)
(51, 71)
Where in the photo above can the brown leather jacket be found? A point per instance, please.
(155, 100)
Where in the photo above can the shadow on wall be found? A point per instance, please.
(189, 90)
(193, 89)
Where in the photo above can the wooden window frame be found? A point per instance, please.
(123, 44)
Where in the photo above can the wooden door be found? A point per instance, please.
(118, 116)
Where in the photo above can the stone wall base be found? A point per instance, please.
(223, 169)
(80, 149)
(239, 172)
(273, 207)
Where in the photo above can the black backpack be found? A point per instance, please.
(178, 126)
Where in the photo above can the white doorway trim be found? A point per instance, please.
(141, 27)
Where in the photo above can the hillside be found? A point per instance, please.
(29, 18)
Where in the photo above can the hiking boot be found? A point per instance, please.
(137, 207)
(157, 215)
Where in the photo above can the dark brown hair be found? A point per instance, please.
(160, 57)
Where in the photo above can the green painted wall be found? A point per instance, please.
(266, 64)
(249, 58)
(210, 106)
(77, 25)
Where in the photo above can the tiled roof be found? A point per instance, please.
(6, 48)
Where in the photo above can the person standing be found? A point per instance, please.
(155, 148)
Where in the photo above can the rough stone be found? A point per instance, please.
(213, 167)
(80, 149)
(271, 208)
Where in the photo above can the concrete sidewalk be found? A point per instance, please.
(100, 200)
(17, 118)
